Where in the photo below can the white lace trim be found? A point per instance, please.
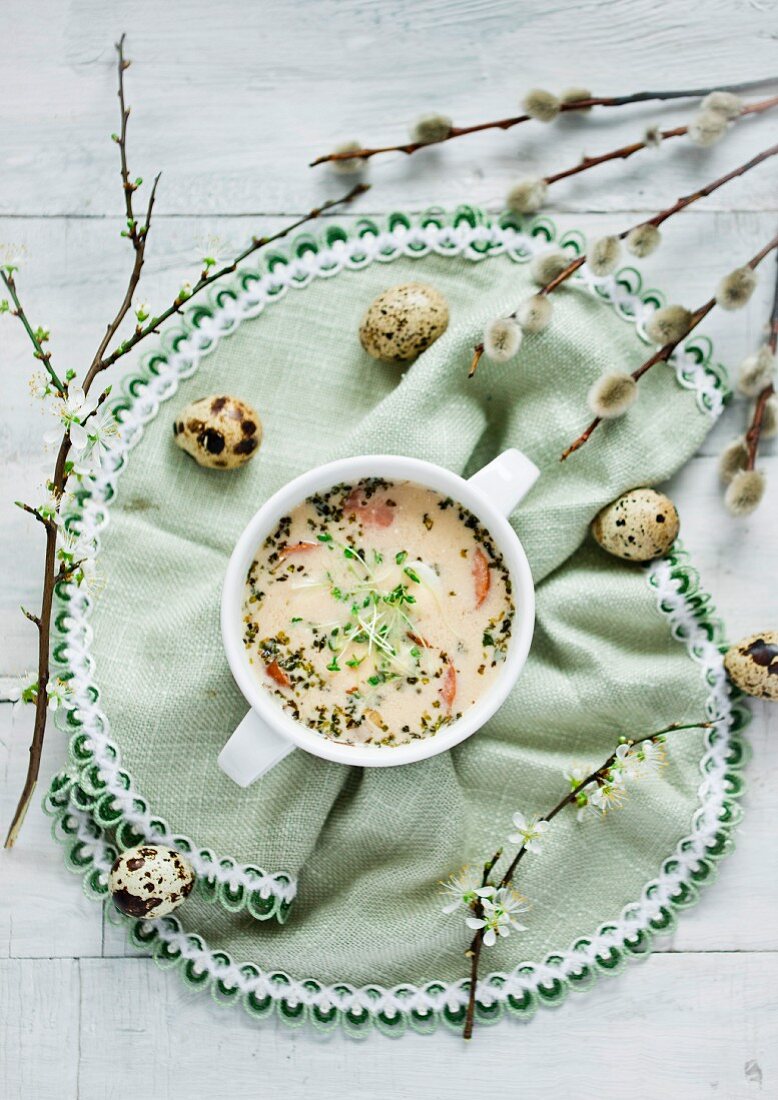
(179, 358)
(433, 997)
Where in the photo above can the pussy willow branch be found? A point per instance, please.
(664, 353)
(656, 220)
(755, 428)
(516, 120)
(626, 151)
(102, 359)
(474, 950)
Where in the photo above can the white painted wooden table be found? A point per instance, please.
(231, 100)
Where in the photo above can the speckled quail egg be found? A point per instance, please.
(219, 431)
(752, 664)
(150, 881)
(638, 526)
(403, 321)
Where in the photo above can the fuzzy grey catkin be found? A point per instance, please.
(723, 103)
(653, 137)
(643, 240)
(756, 371)
(744, 492)
(351, 166)
(603, 255)
(534, 314)
(706, 128)
(572, 95)
(612, 394)
(540, 104)
(735, 290)
(502, 339)
(547, 265)
(431, 128)
(733, 459)
(770, 418)
(527, 196)
(668, 325)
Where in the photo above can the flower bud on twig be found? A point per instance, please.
(733, 459)
(540, 104)
(612, 394)
(527, 196)
(668, 325)
(547, 265)
(535, 313)
(502, 339)
(429, 129)
(745, 491)
(756, 372)
(643, 240)
(603, 255)
(735, 290)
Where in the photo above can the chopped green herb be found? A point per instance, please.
(412, 574)
(487, 638)
(297, 619)
(324, 538)
(400, 558)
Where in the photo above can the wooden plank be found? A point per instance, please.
(234, 108)
(39, 1037)
(692, 1026)
(43, 910)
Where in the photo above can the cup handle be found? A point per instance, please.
(253, 749)
(506, 479)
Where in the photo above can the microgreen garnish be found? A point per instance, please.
(400, 558)
(412, 574)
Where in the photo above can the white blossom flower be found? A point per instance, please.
(49, 507)
(77, 556)
(185, 291)
(499, 915)
(58, 692)
(607, 794)
(465, 887)
(529, 832)
(72, 411)
(25, 690)
(100, 430)
(142, 310)
(11, 257)
(637, 761)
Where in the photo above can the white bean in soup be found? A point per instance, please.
(378, 612)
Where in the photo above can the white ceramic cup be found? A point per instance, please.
(268, 733)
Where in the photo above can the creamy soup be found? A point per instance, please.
(378, 612)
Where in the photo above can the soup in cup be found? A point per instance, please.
(376, 611)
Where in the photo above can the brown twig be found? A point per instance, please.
(664, 353)
(137, 234)
(755, 428)
(670, 211)
(626, 151)
(474, 950)
(40, 351)
(411, 147)
(656, 220)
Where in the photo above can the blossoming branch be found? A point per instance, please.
(493, 906)
(86, 423)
